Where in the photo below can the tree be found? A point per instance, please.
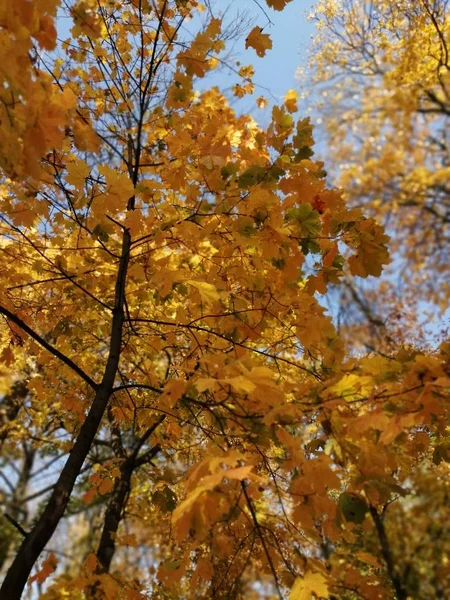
(162, 262)
(382, 69)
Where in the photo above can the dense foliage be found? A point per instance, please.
(180, 417)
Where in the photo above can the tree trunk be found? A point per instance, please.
(14, 510)
(37, 539)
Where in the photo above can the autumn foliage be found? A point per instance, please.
(168, 367)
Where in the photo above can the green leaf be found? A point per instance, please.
(165, 499)
(251, 176)
(353, 507)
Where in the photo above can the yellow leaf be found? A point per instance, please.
(206, 383)
(69, 100)
(77, 172)
(182, 514)
(211, 161)
(84, 136)
(241, 384)
(290, 101)
(259, 41)
(352, 387)
(120, 187)
(311, 583)
(372, 252)
(204, 570)
(208, 292)
(24, 215)
(281, 118)
(173, 391)
(262, 376)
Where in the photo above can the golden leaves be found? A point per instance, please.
(200, 509)
(351, 387)
(281, 119)
(262, 102)
(234, 233)
(173, 391)
(246, 383)
(87, 20)
(46, 35)
(119, 188)
(196, 60)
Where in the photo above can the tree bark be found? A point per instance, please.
(113, 516)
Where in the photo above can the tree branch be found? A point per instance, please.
(40, 340)
(15, 524)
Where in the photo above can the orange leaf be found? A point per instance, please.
(48, 567)
(106, 486)
(259, 41)
(277, 4)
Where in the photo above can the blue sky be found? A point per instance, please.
(291, 34)
(275, 73)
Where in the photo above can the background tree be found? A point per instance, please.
(382, 71)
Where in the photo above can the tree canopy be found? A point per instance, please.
(180, 415)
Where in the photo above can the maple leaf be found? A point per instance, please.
(48, 567)
(173, 391)
(195, 501)
(262, 102)
(290, 101)
(77, 171)
(278, 4)
(84, 136)
(283, 120)
(352, 387)
(311, 583)
(259, 41)
(372, 252)
(208, 292)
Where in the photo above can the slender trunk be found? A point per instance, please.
(113, 516)
(37, 539)
(14, 508)
(117, 503)
(396, 580)
(111, 522)
(11, 404)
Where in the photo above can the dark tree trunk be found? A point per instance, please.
(36, 540)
